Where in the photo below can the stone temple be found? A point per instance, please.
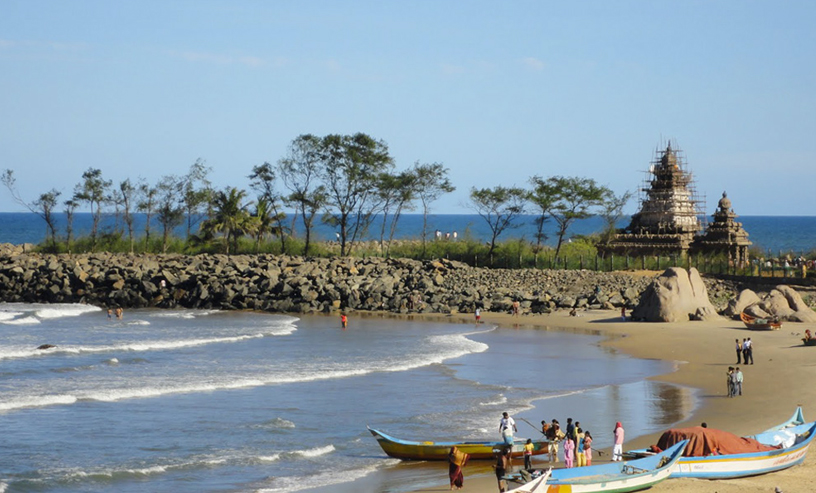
(669, 221)
(725, 235)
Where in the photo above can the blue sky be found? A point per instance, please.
(496, 91)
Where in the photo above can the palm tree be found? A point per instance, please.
(230, 217)
(263, 220)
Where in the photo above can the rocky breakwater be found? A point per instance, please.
(302, 285)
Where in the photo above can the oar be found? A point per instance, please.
(534, 426)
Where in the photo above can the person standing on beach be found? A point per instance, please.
(507, 428)
(750, 352)
(729, 381)
(744, 350)
(528, 454)
(580, 456)
(456, 461)
(623, 313)
(739, 351)
(478, 314)
(516, 308)
(554, 435)
(569, 453)
(738, 382)
(570, 437)
(588, 447)
(617, 449)
(343, 321)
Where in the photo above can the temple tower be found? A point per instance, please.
(725, 235)
(668, 219)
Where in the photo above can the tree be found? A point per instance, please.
(93, 190)
(396, 193)
(542, 197)
(300, 171)
(196, 192)
(70, 207)
(263, 221)
(574, 199)
(263, 181)
(230, 217)
(350, 165)
(43, 206)
(148, 196)
(499, 207)
(127, 195)
(612, 210)
(431, 182)
(169, 208)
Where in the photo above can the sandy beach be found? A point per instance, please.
(781, 379)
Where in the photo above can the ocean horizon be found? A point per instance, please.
(773, 235)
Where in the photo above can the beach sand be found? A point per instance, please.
(782, 378)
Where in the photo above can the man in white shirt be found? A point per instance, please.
(507, 427)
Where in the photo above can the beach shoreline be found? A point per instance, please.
(774, 386)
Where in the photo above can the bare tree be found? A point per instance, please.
(431, 182)
(43, 206)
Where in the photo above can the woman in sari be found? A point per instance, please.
(456, 461)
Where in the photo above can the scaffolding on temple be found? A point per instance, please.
(670, 215)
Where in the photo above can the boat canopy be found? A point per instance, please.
(707, 441)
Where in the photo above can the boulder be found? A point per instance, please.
(676, 295)
(783, 303)
(744, 299)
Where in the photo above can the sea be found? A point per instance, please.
(772, 235)
(191, 401)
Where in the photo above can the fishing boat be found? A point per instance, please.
(614, 477)
(715, 454)
(756, 323)
(411, 450)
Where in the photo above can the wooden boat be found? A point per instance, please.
(411, 450)
(759, 323)
(791, 440)
(614, 477)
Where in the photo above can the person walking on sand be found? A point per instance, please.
(739, 351)
(617, 449)
(731, 380)
(503, 465)
(456, 461)
(507, 428)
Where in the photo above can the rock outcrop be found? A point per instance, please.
(676, 295)
(782, 302)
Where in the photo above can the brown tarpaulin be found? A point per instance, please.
(707, 441)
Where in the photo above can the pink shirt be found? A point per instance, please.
(619, 435)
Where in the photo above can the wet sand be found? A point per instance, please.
(782, 378)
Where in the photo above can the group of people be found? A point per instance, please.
(119, 312)
(745, 350)
(734, 381)
(448, 236)
(577, 444)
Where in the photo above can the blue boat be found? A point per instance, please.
(786, 446)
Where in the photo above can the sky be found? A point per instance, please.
(495, 91)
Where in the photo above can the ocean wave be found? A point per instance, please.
(63, 310)
(28, 320)
(132, 346)
(323, 479)
(314, 452)
(501, 400)
(4, 315)
(40, 401)
(138, 322)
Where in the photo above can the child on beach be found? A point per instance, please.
(528, 454)
(343, 320)
(617, 449)
(478, 315)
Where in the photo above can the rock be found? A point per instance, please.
(675, 296)
(744, 299)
